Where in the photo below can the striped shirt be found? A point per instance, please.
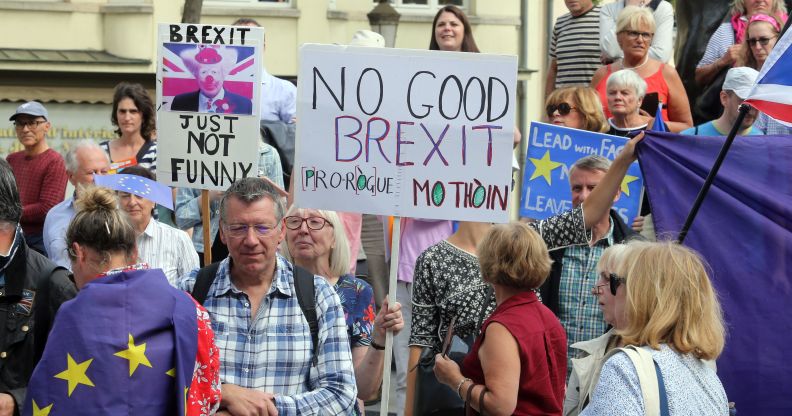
(164, 247)
(272, 351)
(718, 44)
(146, 156)
(578, 309)
(575, 47)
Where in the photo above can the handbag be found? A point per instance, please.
(432, 397)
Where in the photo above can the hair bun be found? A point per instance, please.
(95, 199)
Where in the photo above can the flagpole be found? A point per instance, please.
(711, 176)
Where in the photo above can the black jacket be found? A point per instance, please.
(34, 290)
(550, 288)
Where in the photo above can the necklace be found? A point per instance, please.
(635, 68)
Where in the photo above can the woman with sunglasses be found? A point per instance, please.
(585, 370)
(723, 48)
(635, 29)
(761, 35)
(577, 108)
(315, 240)
(662, 302)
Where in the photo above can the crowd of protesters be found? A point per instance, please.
(550, 313)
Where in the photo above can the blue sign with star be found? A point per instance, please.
(552, 150)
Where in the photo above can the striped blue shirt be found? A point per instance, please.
(272, 351)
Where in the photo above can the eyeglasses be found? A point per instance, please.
(613, 283)
(241, 230)
(762, 41)
(633, 34)
(32, 124)
(563, 109)
(314, 223)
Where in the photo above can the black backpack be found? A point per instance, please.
(303, 286)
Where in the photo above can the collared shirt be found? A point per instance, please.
(55, 226)
(272, 351)
(188, 201)
(164, 247)
(206, 104)
(578, 309)
(278, 99)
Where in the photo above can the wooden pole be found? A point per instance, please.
(394, 267)
(206, 214)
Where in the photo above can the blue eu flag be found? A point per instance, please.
(744, 231)
(126, 345)
(138, 185)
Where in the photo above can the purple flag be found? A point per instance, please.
(138, 185)
(744, 231)
(126, 345)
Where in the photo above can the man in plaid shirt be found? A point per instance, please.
(567, 291)
(265, 343)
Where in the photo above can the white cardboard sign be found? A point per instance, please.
(208, 93)
(401, 132)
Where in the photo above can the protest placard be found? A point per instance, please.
(405, 132)
(208, 84)
(552, 150)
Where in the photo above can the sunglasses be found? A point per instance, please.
(613, 282)
(563, 109)
(762, 41)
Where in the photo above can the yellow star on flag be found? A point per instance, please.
(626, 182)
(75, 373)
(171, 372)
(136, 354)
(544, 167)
(41, 412)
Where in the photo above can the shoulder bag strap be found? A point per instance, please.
(644, 367)
(306, 296)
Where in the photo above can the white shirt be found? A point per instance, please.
(164, 247)
(203, 101)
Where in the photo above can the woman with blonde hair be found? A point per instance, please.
(518, 363)
(586, 368)
(670, 309)
(577, 108)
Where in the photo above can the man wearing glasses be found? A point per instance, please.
(268, 363)
(567, 291)
(39, 171)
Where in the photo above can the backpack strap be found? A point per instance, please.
(306, 296)
(204, 279)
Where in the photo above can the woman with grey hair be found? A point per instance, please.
(315, 241)
(635, 29)
(625, 91)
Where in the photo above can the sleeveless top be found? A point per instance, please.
(542, 343)
(654, 83)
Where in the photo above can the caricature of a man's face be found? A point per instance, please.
(210, 79)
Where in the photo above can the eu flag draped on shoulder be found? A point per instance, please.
(744, 231)
(126, 345)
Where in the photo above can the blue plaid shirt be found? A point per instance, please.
(272, 351)
(578, 309)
